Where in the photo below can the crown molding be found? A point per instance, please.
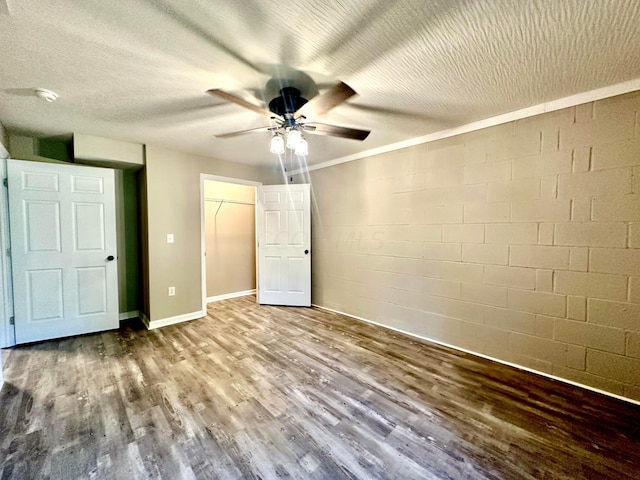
(554, 105)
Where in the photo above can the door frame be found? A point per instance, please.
(7, 331)
(203, 238)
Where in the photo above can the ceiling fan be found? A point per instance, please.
(294, 114)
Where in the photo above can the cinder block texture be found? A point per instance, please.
(520, 241)
(540, 257)
(463, 233)
(512, 233)
(592, 234)
(634, 289)
(577, 308)
(541, 211)
(593, 285)
(544, 280)
(485, 254)
(595, 184)
(576, 357)
(510, 277)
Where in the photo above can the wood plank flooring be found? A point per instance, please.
(271, 392)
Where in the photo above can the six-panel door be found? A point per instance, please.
(284, 245)
(63, 240)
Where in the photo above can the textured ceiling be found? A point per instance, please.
(138, 71)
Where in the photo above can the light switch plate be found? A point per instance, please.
(172, 291)
(169, 237)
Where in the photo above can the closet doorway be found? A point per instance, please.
(228, 238)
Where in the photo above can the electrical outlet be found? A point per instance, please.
(172, 291)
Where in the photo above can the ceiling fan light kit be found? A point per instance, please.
(293, 138)
(294, 115)
(302, 149)
(295, 141)
(277, 144)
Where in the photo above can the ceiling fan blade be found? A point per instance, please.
(239, 101)
(335, 131)
(324, 102)
(242, 132)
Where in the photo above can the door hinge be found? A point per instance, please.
(12, 321)
(8, 252)
(5, 182)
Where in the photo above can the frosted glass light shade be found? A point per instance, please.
(293, 138)
(277, 145)
(302, 149)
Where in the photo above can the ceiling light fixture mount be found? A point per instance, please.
(46, 95)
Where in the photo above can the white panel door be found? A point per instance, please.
(63, 248)
(284, 245)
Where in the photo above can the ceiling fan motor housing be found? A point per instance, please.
(287, 103)
(290, 111)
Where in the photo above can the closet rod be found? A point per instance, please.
(222, 200)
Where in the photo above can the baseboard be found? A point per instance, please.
(227, 296)
(128, 315)
(163, 322)
(481, 355)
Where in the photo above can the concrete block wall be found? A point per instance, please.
(520, 242)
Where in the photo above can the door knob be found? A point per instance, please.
(306, 252)
(110, 258)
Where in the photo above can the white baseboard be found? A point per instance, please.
(227, 296)
(128, 315)
(471, 352)
(163, 322)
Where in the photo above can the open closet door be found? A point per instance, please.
(283, 231)
(63, 248)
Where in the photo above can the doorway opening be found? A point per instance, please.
(228, 238)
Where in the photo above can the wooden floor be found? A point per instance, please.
(271, 392)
